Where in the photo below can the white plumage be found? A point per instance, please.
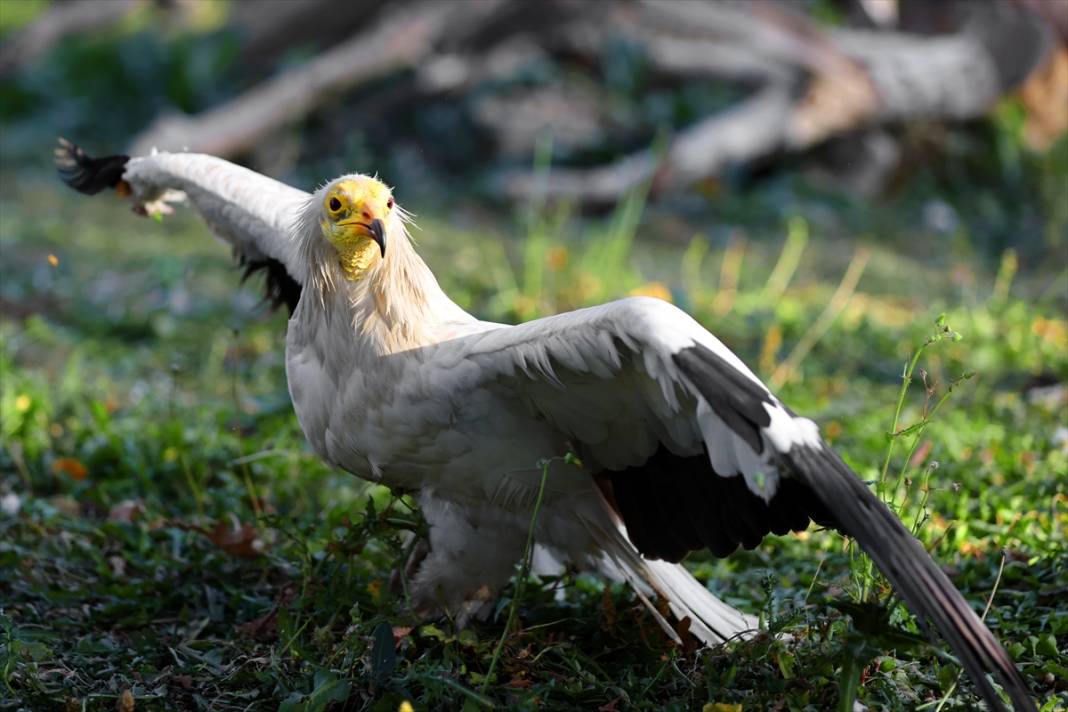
(681, 445)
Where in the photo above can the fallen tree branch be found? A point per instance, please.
(702, 149)
(61, 20)
(855, 79)
(400, 40)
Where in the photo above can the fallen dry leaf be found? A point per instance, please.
(242, 540)
(689, 642)
(125, 703)
(67, 505)
(264, 628)
(400, 632)
(235, 538)
(70, 467)
(610, 706)
(126, 511)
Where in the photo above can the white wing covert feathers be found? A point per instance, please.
(683, 448)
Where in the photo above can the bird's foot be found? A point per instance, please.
(476, 607)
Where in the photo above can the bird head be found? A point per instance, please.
(355, 211)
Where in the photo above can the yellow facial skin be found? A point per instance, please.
(351, 209)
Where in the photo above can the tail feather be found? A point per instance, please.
(911, 571)
(712, 621)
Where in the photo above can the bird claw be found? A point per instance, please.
(161, 205)
(475, 608)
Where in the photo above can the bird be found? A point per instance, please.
(638, 434)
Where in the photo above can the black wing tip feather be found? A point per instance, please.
(673, 504)
(86, 174)
(911, 570)
(280, 289)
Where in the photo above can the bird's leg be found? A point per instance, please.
(397, 578)
(472, 555)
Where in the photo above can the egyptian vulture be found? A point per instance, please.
(680, 446)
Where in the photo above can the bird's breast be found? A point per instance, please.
(411, 421)
(395, 420)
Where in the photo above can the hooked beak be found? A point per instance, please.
(378, 232)
(375, 229)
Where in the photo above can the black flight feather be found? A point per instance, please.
(85, 174)
(909, 568)
(816, 484)
(279, 288)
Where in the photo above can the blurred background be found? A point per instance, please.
(930, 132)
(816, 180)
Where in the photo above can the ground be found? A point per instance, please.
(168, 540)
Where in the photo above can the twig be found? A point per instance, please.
(906, 381)
(918, 429)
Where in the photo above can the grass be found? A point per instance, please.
(168, 541)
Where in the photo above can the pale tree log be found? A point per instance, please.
(400, 40)
(851, 79)
(269, 28)
(732, 136)
(61, 20)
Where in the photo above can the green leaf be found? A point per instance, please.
(1047, 645)
(384, 654)
(947, 675)
(786, 662)
(849, 682)
(432, 631)
(292, 703)
(328, 688)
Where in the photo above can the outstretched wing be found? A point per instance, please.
(249, 211)
(699, 454)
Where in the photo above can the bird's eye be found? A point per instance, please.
(389, 204)
(335, 205)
